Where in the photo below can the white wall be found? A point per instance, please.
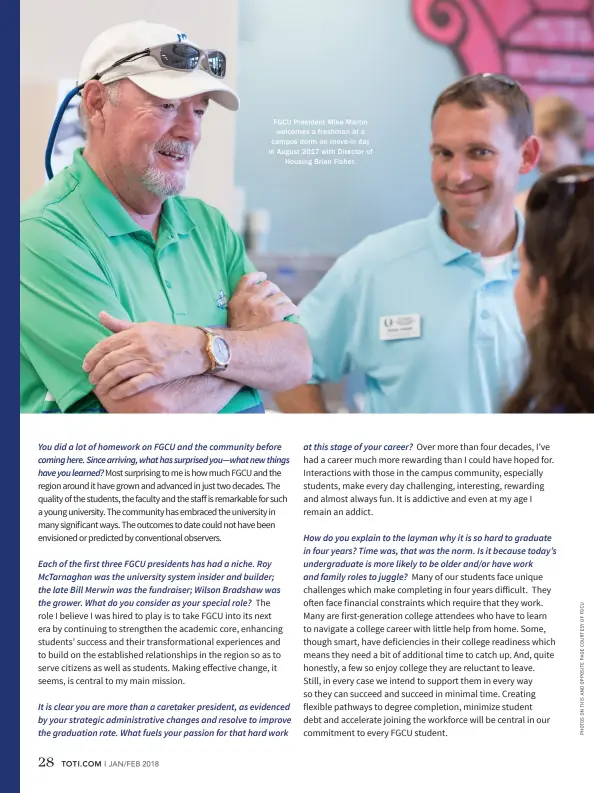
(54, 37)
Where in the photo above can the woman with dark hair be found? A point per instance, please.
(555, 294)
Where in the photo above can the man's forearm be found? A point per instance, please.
(274, 358)
(199, 394)
(303, 399)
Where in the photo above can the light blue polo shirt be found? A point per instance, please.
(417, 314)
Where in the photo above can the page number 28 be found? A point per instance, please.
(46, 762)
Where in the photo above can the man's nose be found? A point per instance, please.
(459, 170)
(188, 125)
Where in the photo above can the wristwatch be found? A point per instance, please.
(217, 349)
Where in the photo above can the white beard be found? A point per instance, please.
(161, 183)
(164, 185)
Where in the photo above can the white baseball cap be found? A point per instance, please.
(147, 72)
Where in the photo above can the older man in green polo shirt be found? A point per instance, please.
(134, 299)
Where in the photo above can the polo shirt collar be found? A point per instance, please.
(176, 216)
(448, 251)
(110, 215)
(103, 206)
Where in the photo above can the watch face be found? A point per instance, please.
(221, 351)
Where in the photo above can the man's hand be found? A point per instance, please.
(143, 354)
(256, 303)
(307, 398)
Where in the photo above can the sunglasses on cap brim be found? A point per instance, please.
(179, 56)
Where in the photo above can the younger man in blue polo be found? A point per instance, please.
(425, 310)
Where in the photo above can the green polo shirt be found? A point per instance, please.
(82, 253)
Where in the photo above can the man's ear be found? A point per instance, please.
(93, 100)
(530, 154)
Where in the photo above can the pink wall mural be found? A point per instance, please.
(547, 45)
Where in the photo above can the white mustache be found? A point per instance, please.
(181, 148)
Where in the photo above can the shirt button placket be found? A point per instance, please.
(168, 288)
(483, 317)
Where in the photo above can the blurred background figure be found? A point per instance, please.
(555, 294)
(562, 130)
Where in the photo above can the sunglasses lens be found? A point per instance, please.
(217, 63)
(180, 56)
(186, 57)
(537, 201)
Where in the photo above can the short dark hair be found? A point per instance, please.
(473, 91)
